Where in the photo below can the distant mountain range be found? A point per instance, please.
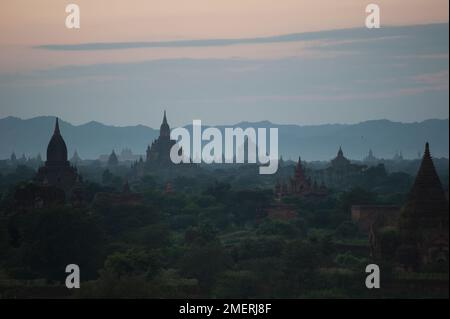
(313, 142)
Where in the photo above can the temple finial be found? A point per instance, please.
(340, 152)
(56, 127)
(427, 150)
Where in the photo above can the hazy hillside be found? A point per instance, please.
(318, 142)
(90, 139)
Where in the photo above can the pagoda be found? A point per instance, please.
(340, 161)
(57, 170)
(300, 184)
(158, 154)
(424, 219)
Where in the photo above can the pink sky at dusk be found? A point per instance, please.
(42, 21)
(25, 24)
(194, 56)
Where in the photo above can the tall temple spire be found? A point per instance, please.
(427, 179)
(165, 129)
(424, 219)
(427, 150)
(158, 154)
(299, 164)
(56, 149)
(56, 131)
(299, 170)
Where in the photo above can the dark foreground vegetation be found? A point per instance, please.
(205, 237)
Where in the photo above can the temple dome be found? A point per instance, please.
(340, 161)
(57, 149)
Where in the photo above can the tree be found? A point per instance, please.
(52, 238)
(301, 262)
(346, 229)
(356, 196)
(203, 263)
(133, 262)
(237, 284)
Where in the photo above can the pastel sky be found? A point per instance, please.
(224, 61)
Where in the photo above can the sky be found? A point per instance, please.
(224, 61)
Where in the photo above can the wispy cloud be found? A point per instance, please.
(344, 75)
(335, 35)
(436, 79)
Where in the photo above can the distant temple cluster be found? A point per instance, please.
(57, 179)
(338, 174)
(23, 160)
(420, 227)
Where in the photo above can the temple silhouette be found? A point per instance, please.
(415, 235)
(158, 154)
(300, 185)
(423, 225)
(57, 170)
